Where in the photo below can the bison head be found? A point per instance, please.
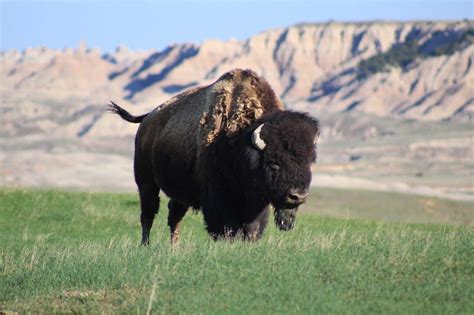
(283, 147)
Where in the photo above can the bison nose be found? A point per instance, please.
(297, 196)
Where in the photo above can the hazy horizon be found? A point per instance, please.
(88, 46)
(107, 25)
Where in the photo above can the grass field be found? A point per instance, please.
(78, 252)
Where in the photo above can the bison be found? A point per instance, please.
(229, 149)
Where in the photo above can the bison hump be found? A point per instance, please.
(233, 102)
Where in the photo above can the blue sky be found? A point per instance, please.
(156, 24)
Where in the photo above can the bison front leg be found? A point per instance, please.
(213, 209)
(254, 230)
(177, 211)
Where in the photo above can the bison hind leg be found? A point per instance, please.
(150, 203)
(177, 211)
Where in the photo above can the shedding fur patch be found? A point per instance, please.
(233, 102)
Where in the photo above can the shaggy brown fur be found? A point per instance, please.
(233, 102)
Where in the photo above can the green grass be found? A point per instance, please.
(78, 252)
(388, 207)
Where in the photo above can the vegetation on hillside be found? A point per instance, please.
(78, 253)
(403, 54)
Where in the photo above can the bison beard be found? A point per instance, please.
(233, 174)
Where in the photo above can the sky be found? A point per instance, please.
(156, 24)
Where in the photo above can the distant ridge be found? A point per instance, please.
(312, 66)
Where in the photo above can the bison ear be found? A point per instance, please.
(257, 141)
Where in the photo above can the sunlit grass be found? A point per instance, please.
(78, 252)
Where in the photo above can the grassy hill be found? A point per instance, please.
(78, 252)
(403, 54)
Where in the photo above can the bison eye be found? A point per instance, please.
(274, 166)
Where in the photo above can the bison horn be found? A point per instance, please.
(257, 140)
(316, 137)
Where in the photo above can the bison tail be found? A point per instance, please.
(114, 108)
